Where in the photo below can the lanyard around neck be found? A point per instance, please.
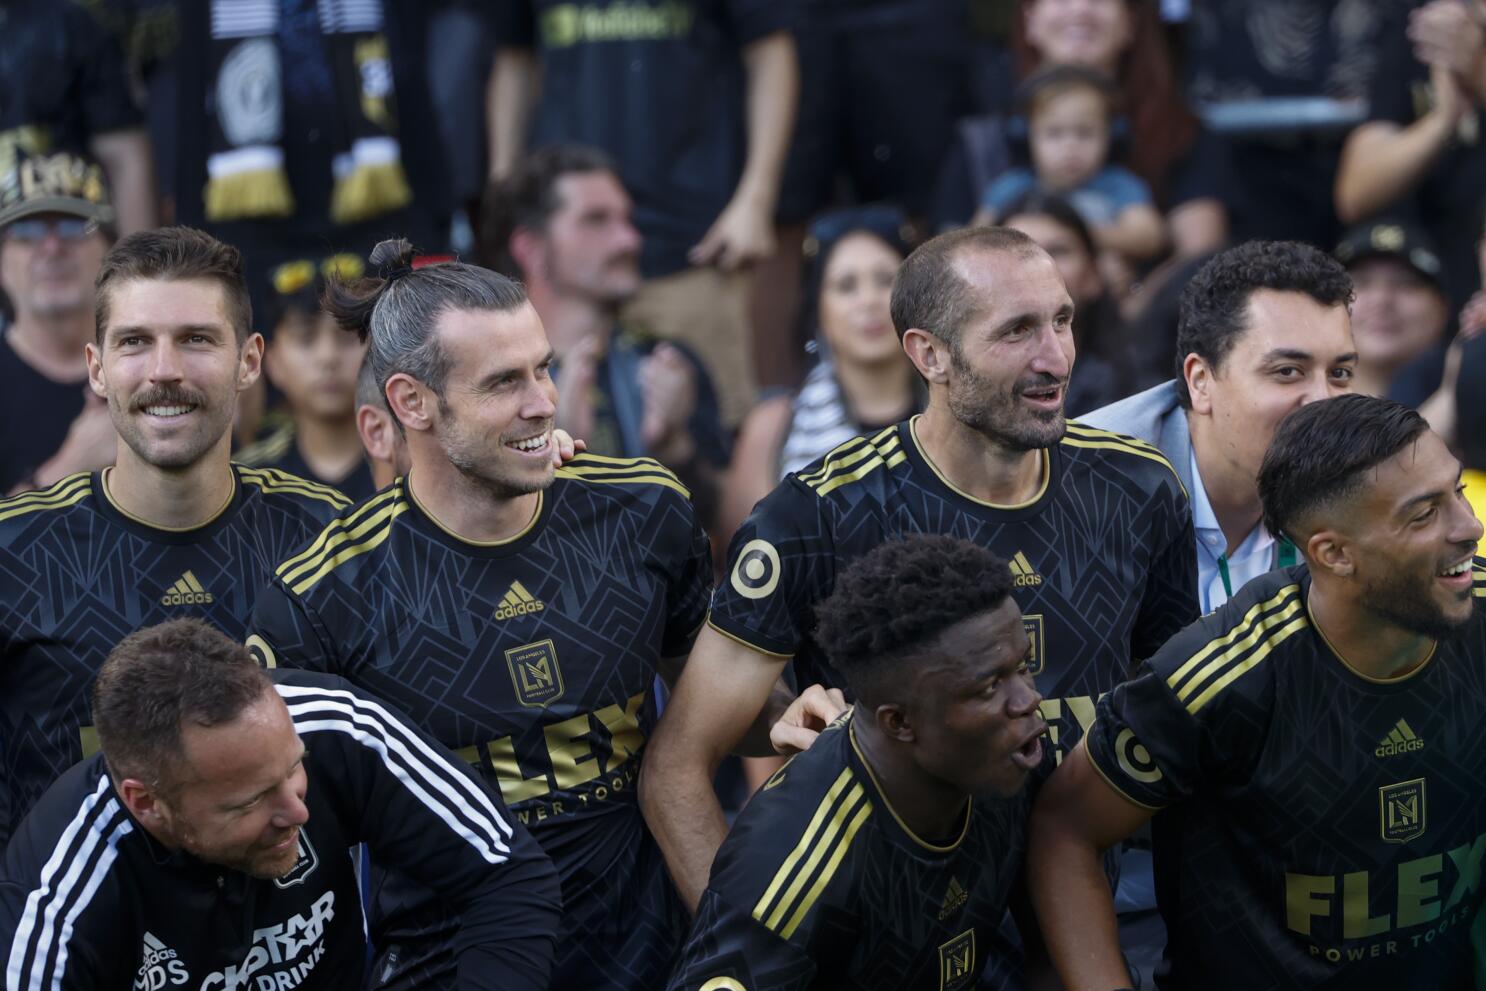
(1285, 557)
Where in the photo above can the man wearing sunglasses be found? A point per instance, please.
(56, 222)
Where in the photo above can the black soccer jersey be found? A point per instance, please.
(90, 901)
(1101, 557)
(821, 885)
(535, 658)
(77, 575)
(1323, 829)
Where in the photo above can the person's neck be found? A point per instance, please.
(879, 392)
(975, 464)
(1367, 643)
(933, 810)
(466, 508)
(172, 498)
(570, 319)
(53, 346)
(330, 446)
(1233, 494)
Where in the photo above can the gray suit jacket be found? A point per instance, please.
(1155, 416)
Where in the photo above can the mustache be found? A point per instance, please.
(168, 396)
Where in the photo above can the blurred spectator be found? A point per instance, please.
(882, 83)
(1101, 346)
(381, 438)
(1400, 313)
(55, 226)
(294, 128)
(313, 364)
(1183, 165)
(1454, 411)
(1268, 52)
(695, 103)
(1071, 121)
(1470, 401)
(66, 90)
(1422, 150)
(863, 381)
(561, 223)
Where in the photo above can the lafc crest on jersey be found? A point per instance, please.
(1401, 808)
(535, 674)
(957, 962)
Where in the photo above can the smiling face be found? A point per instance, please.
(855, 291)
(494, 421)
(1009, 370)
(974, 713)
(170, 365)
(237, 796)
(1398, 314)
(1089, 33)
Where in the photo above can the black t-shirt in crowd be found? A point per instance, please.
(1448, 201)
(659, 86)
(37, 413)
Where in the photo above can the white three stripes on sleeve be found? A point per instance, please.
(448, 792)
(69, 880)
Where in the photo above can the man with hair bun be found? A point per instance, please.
(205, 846)
(519, 613)
(1314, 745)
(885, 855)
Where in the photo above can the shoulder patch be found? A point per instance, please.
(67, 492)
(273, 481)
(1225, 658)
(363, 529)
(855, 460)
(595, 469)
(1083, 436)
(805, 873)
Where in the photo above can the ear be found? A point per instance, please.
(376, 430)
(1330, 551)
(526, 250)
(410, 401)
(142, 801)
(893, 722)
(249, 362)
(96, 380)
(1199, 376)
(929, 355)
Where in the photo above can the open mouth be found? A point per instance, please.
(1457, 575)
(537, 444)
(1047, 397)
(165, 411)
(1029, 754)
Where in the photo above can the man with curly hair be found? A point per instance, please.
(884, 856)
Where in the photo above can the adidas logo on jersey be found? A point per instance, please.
(1401, 739)
(1022, 572)
(954, 896)
(518, 602)
(186, 591)
(158, 966)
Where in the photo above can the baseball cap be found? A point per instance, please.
(1390, 239)
(59, 183)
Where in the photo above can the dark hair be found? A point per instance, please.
(159, 680)
(898, 598)
(1037, 203)
(1321, 451)
(1045, 85)
(528, 198)
(175, 254)
(930, 295)
(1215, 303)
(885, 222)
(1162, 126)
(397, 312)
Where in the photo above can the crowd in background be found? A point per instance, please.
(708, 200)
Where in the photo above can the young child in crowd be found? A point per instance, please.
(1070, 115)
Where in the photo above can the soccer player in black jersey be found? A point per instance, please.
(1314, 748)
(173, 528)
(205, 845)
(884, 856)
(1096, 526)
(519, 618)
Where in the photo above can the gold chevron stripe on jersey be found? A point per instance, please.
(621, 471)
(374, 532)
(274, 480)
(883, 451)
(808, 869)
(67, 492)
(1225, 659)
(844, 454)
(335, 532)
(1478, 587)
(1079, 435)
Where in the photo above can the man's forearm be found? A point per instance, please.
(509, 97)
(1380, 165)
(130, 164)
(683, 813)
(1067, 882)
(773, 94)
